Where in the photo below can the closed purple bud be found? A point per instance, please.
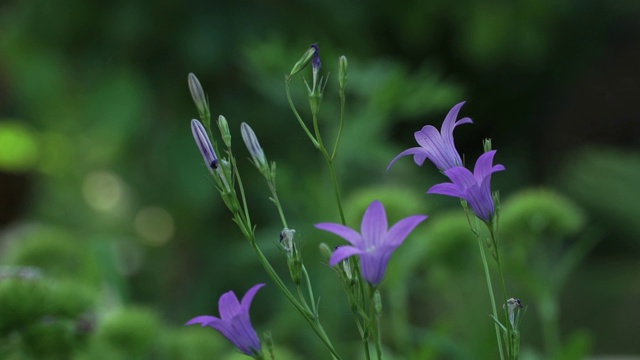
(198, 96)
(257, 154)
(316, 64)
(204, 144)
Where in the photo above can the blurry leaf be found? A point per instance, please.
(605, 181)
(577, 347)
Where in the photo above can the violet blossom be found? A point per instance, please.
(435, 145)
(234, 322)
(375, 243)
(474, 187)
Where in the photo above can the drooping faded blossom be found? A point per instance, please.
(474, 187)
(437, 146)
(375, 243)
(234, 322)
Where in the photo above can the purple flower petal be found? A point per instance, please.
(419, 156)
(228, 305)
(447, 189)
(345, 232)
(437, 146)
(203, 320)
(342, 253)
(248, 297)
(400, 230)
(374, 224)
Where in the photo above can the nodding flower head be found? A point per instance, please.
(435, 145)
(204, 144)
(475, 188)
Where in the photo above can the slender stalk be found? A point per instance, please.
(491, 296)
(297, 115)
(312, 299)
(309, 317)
(510, 351)
(342, 106)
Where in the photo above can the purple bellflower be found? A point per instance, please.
(375, 243)
(204, 144)
(234, 322)
(437, 146)
(474, 188)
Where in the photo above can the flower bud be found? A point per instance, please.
(199, 98)
(304, 61)
(316, 64)
(346, 267)
(257, 154)
(486, 145)
(342, 72)
(325, 250)
(204, 144)
(224, 130)
(377, 302)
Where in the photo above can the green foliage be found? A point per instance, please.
(56, 253)
(540, 212)
(131, 332)
(40, 317)
(605, 181)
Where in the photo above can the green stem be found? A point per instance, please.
(297, 115)
(491, 296)
(510, 352)
(309, 317)
(342, 105)
(312, 299)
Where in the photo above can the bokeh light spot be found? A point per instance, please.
(18, 148)
(102, 190)
(155, 225)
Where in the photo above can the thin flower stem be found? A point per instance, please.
(312, 299)
(375, 322)
(242, 219)
(276, 201)
(309, 317)
(510, 349)
(342, 106)
(490, 288)
(332, 171)
(297, 115)
(378, 338)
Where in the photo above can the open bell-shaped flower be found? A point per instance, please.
(234, 322)
(375, 243)
(437, 146)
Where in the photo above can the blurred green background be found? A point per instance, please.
(112, 236)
